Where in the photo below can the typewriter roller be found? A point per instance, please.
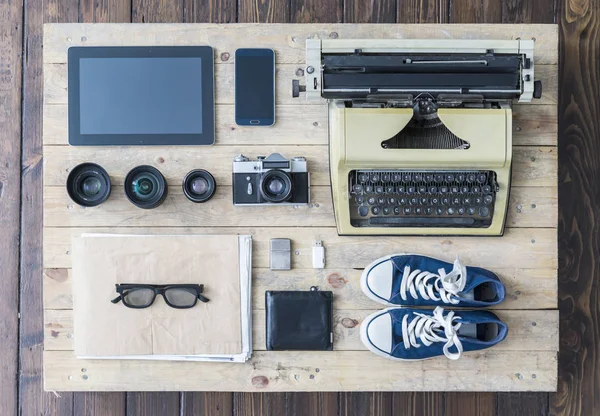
(420, 131)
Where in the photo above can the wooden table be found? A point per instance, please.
(525, 257)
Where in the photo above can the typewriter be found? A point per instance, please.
(420, 131)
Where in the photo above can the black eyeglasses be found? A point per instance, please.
(138, 296)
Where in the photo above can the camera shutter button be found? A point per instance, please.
(249, 189)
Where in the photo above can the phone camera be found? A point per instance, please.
(88, 185)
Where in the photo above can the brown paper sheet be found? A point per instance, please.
(106, 329)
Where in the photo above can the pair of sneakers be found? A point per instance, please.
(414, 281)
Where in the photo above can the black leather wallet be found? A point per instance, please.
(298, 320)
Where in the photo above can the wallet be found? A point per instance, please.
(299, 320)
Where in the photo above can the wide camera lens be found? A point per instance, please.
(145, 187)
(276, 186)
(88, 185)
(199, 185)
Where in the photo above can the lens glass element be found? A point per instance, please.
(199, 185)
(88, 185)
(91, 186)
(145, 187)
(276, 186)
(181, 297)
(139, 297)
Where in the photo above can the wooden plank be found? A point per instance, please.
(177, 211)
(11, 44)
(32, 399)
(525, 288)
(419, 403)
(422, 11)
(217, 404)
(476, 11)
(528, 330)
(290, 371)
(316, 11)
(257, 404)
(99, 404)
(579, 233)
(529, 248)
(156, 11)
(261, 11)
(153, 403)
(104, 11)
(310, 404)
(357, 11)
(522, 404)
(533, 166)
(532, 125)
(477, 404)
(201, 11)
(56, 86)
(530, 11)
(288, 40)
(359, 403)
(295, 125)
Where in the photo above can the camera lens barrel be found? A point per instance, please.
(199, 185)
(88, 185)
(276, 186)
(145, 187)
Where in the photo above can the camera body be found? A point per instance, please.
(272, 180)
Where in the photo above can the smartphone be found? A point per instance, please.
(255, 87)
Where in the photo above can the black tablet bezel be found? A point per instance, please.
(207, 137)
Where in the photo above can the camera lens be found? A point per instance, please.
(276, 186)
(199, 185)
(145, 187)
(88, 185)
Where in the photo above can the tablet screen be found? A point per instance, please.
(141, 95)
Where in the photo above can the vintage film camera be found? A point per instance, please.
(272, 180)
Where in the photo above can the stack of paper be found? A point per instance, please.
(219, 330)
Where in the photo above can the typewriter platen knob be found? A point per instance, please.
(537, 89)
(297, 88)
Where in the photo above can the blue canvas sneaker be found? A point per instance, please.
(416, 334)
(414, 280)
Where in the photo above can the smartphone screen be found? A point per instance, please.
(255, 87)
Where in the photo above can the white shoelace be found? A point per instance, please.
(427, 329)
(431, 286)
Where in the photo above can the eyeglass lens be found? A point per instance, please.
(182, 297)
(139, 296)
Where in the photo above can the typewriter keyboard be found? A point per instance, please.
(400, 198)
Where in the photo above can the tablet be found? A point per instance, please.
(141, 95)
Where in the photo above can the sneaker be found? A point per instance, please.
(416, 334)
(414, 280)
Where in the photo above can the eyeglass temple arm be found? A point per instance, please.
(117, 299)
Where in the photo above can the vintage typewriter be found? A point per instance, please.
(420, 130)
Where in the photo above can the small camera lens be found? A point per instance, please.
(199, 185)
(276, 186)
(145, 187)
(88, 185)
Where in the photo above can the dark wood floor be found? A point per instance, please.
(21, 341)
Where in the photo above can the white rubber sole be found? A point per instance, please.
(365, 339)
(363, 278)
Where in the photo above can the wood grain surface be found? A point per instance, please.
(10, 200)
(578, 205)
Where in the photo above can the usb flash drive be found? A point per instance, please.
(318, 255)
